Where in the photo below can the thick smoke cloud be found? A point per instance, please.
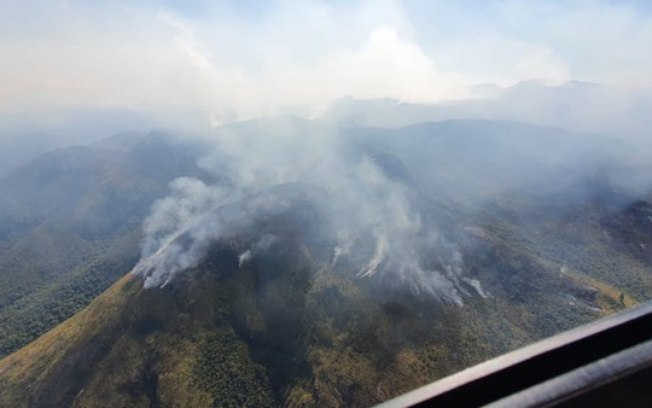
(365, 201)
(359, 216)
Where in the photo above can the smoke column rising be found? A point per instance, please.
(282, 168)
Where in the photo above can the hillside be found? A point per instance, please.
(287, 330)
(253, 301)
(70, 226)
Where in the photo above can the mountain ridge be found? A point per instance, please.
(269, 316)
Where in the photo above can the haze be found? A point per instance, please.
(198, 64)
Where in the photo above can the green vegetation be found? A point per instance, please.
(224, 336)
(52, 302)
(224, 369)
(70, 227)
(283, 329)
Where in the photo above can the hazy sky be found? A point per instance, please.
(235, 59)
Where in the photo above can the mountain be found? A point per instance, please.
(28, 133)
(575, 105)
(70, 226)
(268, 315)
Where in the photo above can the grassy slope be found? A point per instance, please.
(70, 226)
(287, 331)
(56, 300)
(130, 348)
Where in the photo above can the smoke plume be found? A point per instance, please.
(288, 177)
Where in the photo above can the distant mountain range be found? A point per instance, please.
(574, 105)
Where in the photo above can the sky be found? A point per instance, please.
(231, 60)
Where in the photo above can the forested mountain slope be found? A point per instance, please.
(271, 314)
(70, 226)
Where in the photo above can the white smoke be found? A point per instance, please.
(244, 258)
(338, 252)
(475, 284)
(379, 254)
(369, 216)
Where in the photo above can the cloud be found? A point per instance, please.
(231, 60)
(385, 65)
(594, 40)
